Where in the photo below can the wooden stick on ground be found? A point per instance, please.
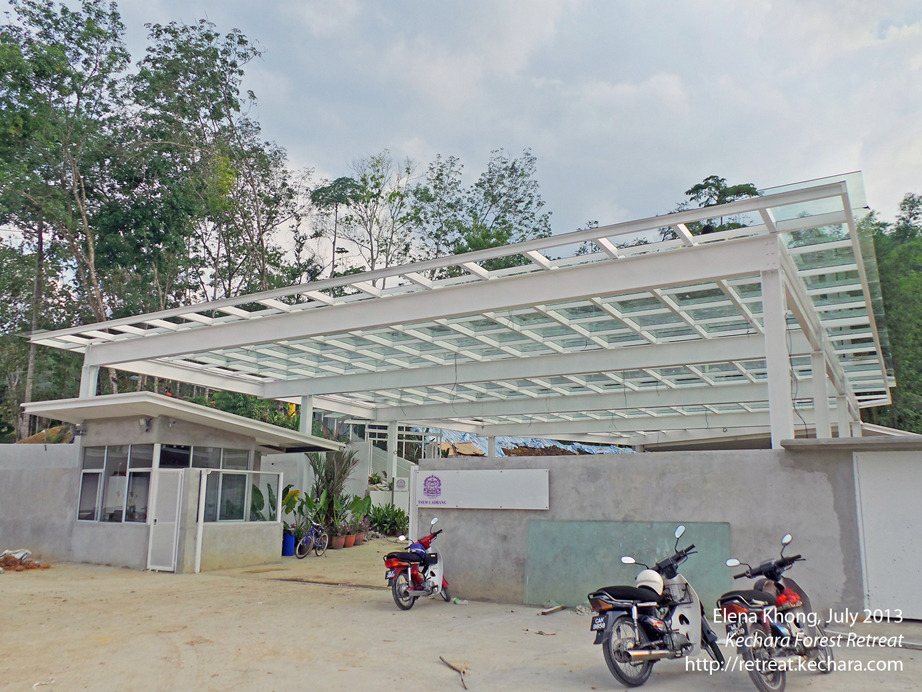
(553, 610)
(459, 671)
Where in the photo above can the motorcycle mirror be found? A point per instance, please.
(733, 562)
(435, 520)
(627, 560)
(679, 531)
(787, 539)
(401, 537)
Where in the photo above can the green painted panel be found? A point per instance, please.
(565, 560)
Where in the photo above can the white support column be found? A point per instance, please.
(491, 446)
(392, 456)
(820, 395)
(842, 417)
(307, 415)
(89, 381)
(413, 528)
(780, 403)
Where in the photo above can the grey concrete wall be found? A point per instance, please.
(38, 499)
(123, 431)
(230, 544)
(118, 545)
(762, 494)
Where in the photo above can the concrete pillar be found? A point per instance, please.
(307, 415)
(842, 417)
(491, 446)
(820, 395)
(777, 358)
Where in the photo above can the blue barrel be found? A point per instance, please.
(288, 545)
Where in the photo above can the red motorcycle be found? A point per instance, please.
(416, 572)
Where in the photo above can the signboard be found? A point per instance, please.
(493, 489)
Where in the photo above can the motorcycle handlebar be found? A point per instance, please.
(739, 576)
(437, 533)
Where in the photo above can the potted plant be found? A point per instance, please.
(350, 535)
(361, 531)
(359, 508)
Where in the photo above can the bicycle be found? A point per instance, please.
(315, 539)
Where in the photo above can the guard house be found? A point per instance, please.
(163, 484)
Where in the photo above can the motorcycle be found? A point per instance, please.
(416, 572)
(660, 617)
(774, 620)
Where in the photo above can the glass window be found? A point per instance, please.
(138, 494)
(174, 456)
(233, 496)
(211, 497)
(142, 457)
(89, 491)
(236, 459)
(94, 458)
(115, 482)
(206, 457)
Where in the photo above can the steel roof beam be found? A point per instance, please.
(688, 396)
(599, 360)
(659, 269)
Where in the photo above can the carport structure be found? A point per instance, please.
(744, 334)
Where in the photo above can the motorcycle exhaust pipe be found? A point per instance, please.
(647, 655)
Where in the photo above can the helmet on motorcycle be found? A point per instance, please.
(652, 580)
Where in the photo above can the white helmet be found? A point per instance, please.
(652, 580)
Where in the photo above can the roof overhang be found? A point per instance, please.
(271, 438)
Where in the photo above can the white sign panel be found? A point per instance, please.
(499, 489)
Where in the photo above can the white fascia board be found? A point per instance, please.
(701, 263)
(670, 437)
(714, 422)
(680, 396)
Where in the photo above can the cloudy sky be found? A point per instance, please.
(624, 104)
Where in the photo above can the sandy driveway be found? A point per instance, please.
(98, 628)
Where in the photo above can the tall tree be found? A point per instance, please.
(327, 201)
(504, 206)
(59, 111)
(899, 260)
(710, 192)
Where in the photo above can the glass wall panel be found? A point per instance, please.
(89, 490)
(206, 457)
(142, 457)
(233, 496)
(211, 497)
(94, 458)
(115, 482)
(138, 496)
(236, 459)
(264, 497)
(174, 456)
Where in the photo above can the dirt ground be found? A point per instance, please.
(274, 628)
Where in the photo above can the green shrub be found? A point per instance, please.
(389, 520)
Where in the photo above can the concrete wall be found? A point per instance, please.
(39, 485)
(123, 431)
(118, 545)
(762, 494)
(226, 545)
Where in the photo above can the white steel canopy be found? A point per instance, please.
(729, 334)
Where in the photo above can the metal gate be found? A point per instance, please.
(164, 532)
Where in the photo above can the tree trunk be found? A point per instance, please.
(37, 294)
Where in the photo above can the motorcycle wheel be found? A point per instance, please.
(623, 637)
(823, 654)
(304, 546)
(446, 594)
(320, 547)
(399, 590)
(762, 668)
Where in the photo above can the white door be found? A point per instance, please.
(891, 525)
(164, 532)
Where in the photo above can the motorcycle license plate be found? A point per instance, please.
(598, 623)
(391, 574)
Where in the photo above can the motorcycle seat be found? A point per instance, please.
(404, 557)
(750, 596)
(643, 594)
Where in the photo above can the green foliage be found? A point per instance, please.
(389, 520)
(258, 503)
(899, 259)
(710, 192)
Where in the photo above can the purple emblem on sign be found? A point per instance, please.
(432, 486)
